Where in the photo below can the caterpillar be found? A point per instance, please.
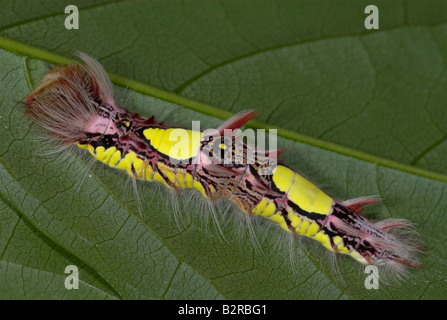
(76, 106)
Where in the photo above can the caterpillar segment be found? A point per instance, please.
(217, 166)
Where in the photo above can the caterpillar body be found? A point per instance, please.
(75, 104)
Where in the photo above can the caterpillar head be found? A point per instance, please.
(73, 100)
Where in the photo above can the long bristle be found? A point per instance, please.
(102, 83)
(66, 101)
(402, 245)
(392, 243)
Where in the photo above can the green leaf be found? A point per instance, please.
(363, 112)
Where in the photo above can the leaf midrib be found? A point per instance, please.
(25, 49)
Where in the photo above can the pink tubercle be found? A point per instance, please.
(101, 125)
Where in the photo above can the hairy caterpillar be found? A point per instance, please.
(75, 104)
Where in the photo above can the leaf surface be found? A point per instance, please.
(371, 106)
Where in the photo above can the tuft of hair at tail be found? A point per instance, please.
(392, 244)
(402, 247)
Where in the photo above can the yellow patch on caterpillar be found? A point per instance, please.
(312, 230)
(323, 238)
(294, 219)
(280, 220)
(179, 144)
(104, 155)
(157, 177)
(198, 186)
(188, 180)
(180, 179)
(89, 148)
(308, 197)
(265, 208)
(114, 158)
(302, 192)
(148, 171)
(283, 178)
(358, 257)
(338, 241)
(154, 136)
(302, 228)
(167, 171)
